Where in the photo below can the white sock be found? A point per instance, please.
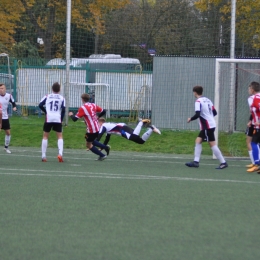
(251, 157)
(7, 140)
(147, 134)
(44, 147)
(138, 128)
(60, 146)
(217, 153)
(197, 152)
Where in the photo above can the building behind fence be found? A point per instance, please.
(165, 94)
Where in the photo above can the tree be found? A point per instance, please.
(9, 17)
(169, 26)
(247, 17)
(46, 19)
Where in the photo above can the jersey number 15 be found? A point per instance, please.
(54, 105)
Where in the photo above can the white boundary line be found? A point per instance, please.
(130, 154)
(113, 176)
(129, 159)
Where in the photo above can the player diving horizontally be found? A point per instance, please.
(126, 131)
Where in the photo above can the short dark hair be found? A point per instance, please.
(2, 84)
(255, 86)
(198, 90)
(56, 87)
(85, 97)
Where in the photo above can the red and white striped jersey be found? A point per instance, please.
(89, 113)
(254, 105)
(206, 119)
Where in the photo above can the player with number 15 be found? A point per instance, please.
(53, 105)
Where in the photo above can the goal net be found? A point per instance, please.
(232, 79)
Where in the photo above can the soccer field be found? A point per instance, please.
(130, 206)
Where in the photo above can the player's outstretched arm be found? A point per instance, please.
(102, 113)
(74, 118)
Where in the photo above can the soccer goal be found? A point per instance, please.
(99, 94)
(232, 78)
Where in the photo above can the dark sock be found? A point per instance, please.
(96, 151)
(98, 144)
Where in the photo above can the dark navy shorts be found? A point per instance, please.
(207, 135)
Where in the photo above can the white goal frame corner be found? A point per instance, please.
(232, 87)
(106, 85)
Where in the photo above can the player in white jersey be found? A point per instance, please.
(125, 131)
(205, 111)
(5, 99)
(53, 105)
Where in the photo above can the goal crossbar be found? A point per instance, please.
(107, 86)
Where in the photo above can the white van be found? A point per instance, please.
(99, 62)
(56, 62)
(106, 62)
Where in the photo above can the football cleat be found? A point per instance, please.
(155, 129)
(254, 168)
(222, 166)
(101, 158)
(250, 165)
(60, 159)
(146, 121)
(44, 159)
(7, 150)
(193, 164)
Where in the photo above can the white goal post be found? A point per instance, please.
(232, 77)
(104, 101)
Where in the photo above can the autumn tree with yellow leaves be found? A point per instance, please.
(179, 27)
(247, 17)
(47, 19)
(10, 14)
